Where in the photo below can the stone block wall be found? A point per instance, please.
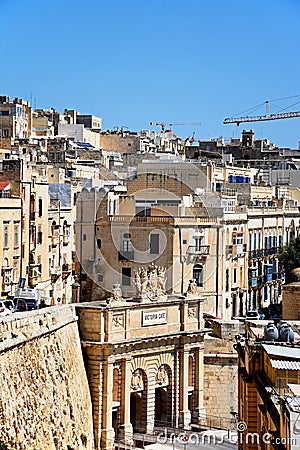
(221, 374)
(45, 399)
(291, 301)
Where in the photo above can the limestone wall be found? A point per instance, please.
(221, 374)
(291, 301)
(45, 400)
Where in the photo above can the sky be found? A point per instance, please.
(132, 62)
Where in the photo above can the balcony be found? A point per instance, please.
(253, 282)
(54, 240)
(55, 273)
(196, 253)
(34, 275)
(126, 255)
(238, 250)
(256, 254)
(66, 240)
(268, 278)
(66, 270)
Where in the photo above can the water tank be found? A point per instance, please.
(286, 334)
(271, 332)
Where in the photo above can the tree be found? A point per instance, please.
(290, 257)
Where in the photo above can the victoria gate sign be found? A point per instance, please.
(154, 317)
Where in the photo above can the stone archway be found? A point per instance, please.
(163, 397)
(138, 401)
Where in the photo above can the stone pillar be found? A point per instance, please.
(199, 382)
(150, 405)
(126, 430)
(184, 413)
(108, 434)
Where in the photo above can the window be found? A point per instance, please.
(154, 244)
(100, 277)
(5, 239)
(237, 238)
(198, 275)
(16, 235)
(227, 280)
(198, 241)
(39, 235)
(5, 133)
(40, 207)
(234, 275)
(84, 237)
(126, 246)
(99, 243)
(126, 276)
(15, 272)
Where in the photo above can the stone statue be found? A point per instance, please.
(192, 287)
(117, 298)
(137, 281)
(137, 381)
(161, 281)
(150, 283)
(117, 292)
(162, 376)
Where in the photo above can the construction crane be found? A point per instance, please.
(267, 116)
(164, 124)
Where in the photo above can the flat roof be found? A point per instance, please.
(283, 351)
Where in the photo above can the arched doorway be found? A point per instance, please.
(116, 400)
(138, 401)
(163, 397)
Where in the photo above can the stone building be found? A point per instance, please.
(144, 360)
(269, 376)
(11, 243)
(15, 120)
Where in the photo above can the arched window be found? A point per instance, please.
(198, 275)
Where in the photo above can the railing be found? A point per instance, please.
(162, 219)
(126, 255)
(264, 252)
(66, 240)
(198, 250)
(65, 268)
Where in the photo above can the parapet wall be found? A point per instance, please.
(45, 400)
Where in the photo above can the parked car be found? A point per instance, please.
(255, 314)
(25, 305)
(3, 310)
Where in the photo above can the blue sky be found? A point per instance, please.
(135, 61)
